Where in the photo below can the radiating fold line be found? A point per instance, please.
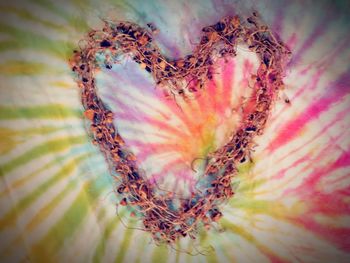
(51, 111)
(10, 217)
(48, 147)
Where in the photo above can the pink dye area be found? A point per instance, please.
(170, 136)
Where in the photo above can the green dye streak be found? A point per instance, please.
(39, 217)
(238, 230)
(53, 146)
(245, 168)
(249, 186)
(272, 208)
(189, 248)
(125, 244)
(29, 68)
(244, 178)
(212, 258)
(22, 13)
(250, 238)
(7, 45)
(52, 111)
(74, 20)
(10, 137)
(38, 131)
(66, 170)
(26, 39)
(66, 227)
(178, 247)
(203, 235)
(46, 210)
(101, 214)
(69, 224)
(139, 258)
(7, 142)
(160, 254)
(101, 247)
(30, 176)
(256, 206)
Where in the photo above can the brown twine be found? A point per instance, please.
(220, 40)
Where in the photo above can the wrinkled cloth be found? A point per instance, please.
(57, 200)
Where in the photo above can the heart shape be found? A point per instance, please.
(164, 218)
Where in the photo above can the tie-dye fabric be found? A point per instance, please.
(291, 203)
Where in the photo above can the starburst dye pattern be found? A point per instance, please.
(171, 136)
(291, 205)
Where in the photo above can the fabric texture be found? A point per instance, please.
(57, 198)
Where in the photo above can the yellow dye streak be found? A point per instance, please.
(46, 210)
(49, 147)
(63, 84)
(24, 180)
(10, 217)
(37, 220)
(46, 250)
(272, 208)
(18, 67)
(250, 238)
(7, 142)
(10, 138)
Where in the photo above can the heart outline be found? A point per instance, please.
(166, 224)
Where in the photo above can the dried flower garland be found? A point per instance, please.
(166, 221)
